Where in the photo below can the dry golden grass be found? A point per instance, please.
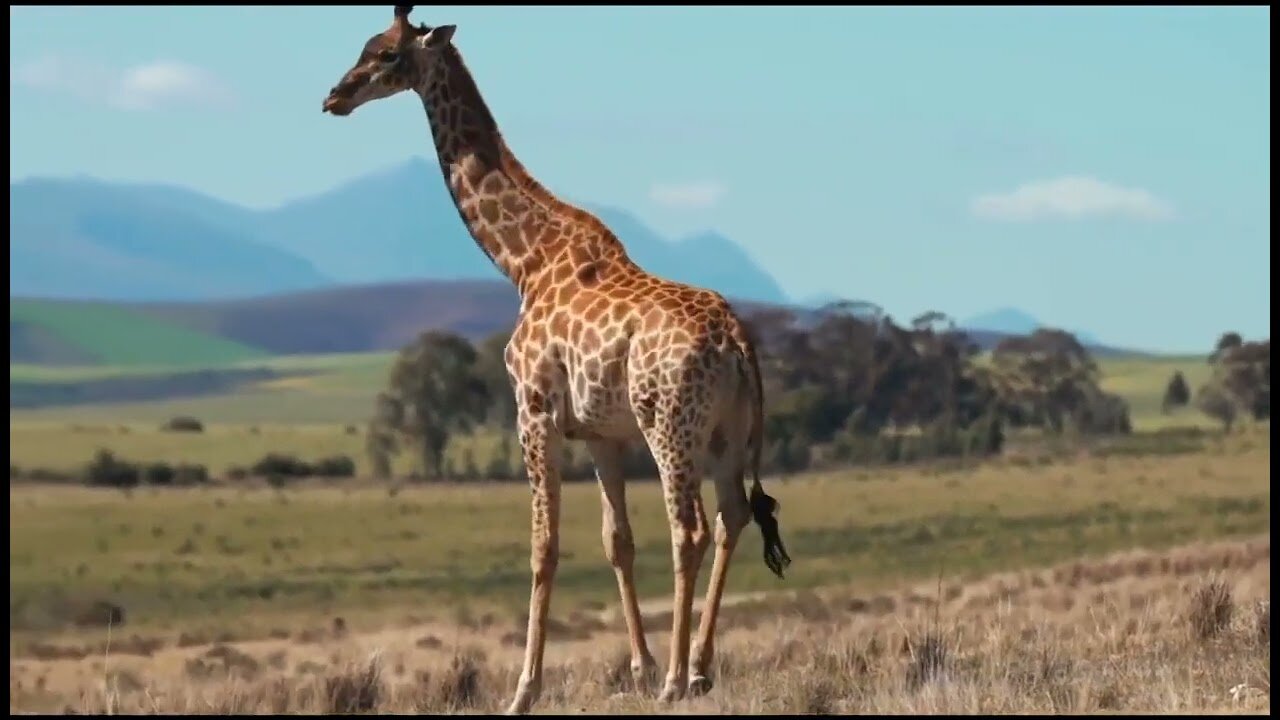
(1184, 630)
(249, 560)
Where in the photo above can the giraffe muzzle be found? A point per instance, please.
(336, 106)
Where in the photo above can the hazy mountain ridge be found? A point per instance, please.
(347, 319)
(91, 239)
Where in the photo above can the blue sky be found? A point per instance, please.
(1104, 169)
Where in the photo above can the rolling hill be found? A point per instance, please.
(51, 332)
(89, 239)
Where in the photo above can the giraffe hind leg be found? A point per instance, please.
(677, 455)
(727, 460)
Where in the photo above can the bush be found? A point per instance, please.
(158, 474)
(237, 472)
(281, 465)
(1103, 413)
(183, 423)
(190, 474)
(338, 466)
(107, 471)
(1176, 393)
(47, 475)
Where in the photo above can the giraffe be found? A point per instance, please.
(602, 352)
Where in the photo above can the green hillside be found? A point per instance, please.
(339, 388)
(111, 335)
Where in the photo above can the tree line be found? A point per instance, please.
(843, 384)
(1239, 385)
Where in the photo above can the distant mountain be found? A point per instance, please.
(88, 239)
(91, 239)
(401, 224)
(349, 319)
(1012, 321)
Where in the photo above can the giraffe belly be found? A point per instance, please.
(601, 413)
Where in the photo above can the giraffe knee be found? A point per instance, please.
(730, 522)
(701, 540)
(619, 548)
(543, 562)
(687, 546)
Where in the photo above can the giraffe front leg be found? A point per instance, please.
(619, 548)
(541, 444)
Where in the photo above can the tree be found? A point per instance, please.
(438, 390)
(1242, 370)
(491, 367)
(1226, 342)
(1048, 379)
(380, 441)
(1176, 393)
(1215, 402)
(501, 465)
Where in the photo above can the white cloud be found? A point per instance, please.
(693, 195)
(150, 86)
(1071, 198)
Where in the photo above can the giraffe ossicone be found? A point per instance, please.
(603, 352)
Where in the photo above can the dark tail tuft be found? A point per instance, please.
(763, 508)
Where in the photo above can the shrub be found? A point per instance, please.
(105, 470)
(183, 423)
(47, 475)
(1176, 393)
(338, 466)
(1211, 609)
(158, 474)
(279, 464)
(190, 474)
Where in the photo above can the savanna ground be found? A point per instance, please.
(1129, 578)
(259, 600)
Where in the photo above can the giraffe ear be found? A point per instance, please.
(436, 37)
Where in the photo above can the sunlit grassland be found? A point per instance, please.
(249, 560)
(323, 411)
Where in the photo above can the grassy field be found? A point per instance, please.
(309, 416)
(252, 559)
(248, 599)
(117, 337)
(1184, 630)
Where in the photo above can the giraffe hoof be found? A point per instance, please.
(526, 695)
(645, 675)
(673, 692)
(699, 685)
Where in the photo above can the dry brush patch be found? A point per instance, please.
(1128, 633)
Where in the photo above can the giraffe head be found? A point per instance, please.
(391, 61)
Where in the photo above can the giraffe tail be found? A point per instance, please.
(764, 508)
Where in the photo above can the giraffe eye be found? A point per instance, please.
(388, 55)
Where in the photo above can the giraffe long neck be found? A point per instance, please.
(509, 214)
